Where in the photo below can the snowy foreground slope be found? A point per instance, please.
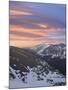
(31, 79)
(29, 69)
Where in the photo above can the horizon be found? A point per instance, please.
(38, 45)
(32, 23)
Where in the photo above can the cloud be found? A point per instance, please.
(44, 26)
(33, 23)
(26, 31)
(51, 35)
(17, 12)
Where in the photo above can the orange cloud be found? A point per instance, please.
(19, 38)
(16, 12)
(21, 41)
(29, 39)
(18, 28)
(44, 26)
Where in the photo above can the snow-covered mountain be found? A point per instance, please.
(58, 50)
(31, 67)
(54, 55)
(39, 48)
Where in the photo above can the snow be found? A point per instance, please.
(31, 79)
(39, 48)
(42, 49)
(37, 76)
(13, 71)
(58, 48)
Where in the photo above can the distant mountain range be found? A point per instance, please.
(58, 50)
(41, 62)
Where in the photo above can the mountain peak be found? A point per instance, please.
(39, 48)
(55, 50)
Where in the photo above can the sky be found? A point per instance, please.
(36, 23)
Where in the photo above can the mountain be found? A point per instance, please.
(39, 48)
(54, 55)
(58, 50)
(20, 59)
(28, 68)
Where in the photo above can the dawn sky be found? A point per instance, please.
(36, 23)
